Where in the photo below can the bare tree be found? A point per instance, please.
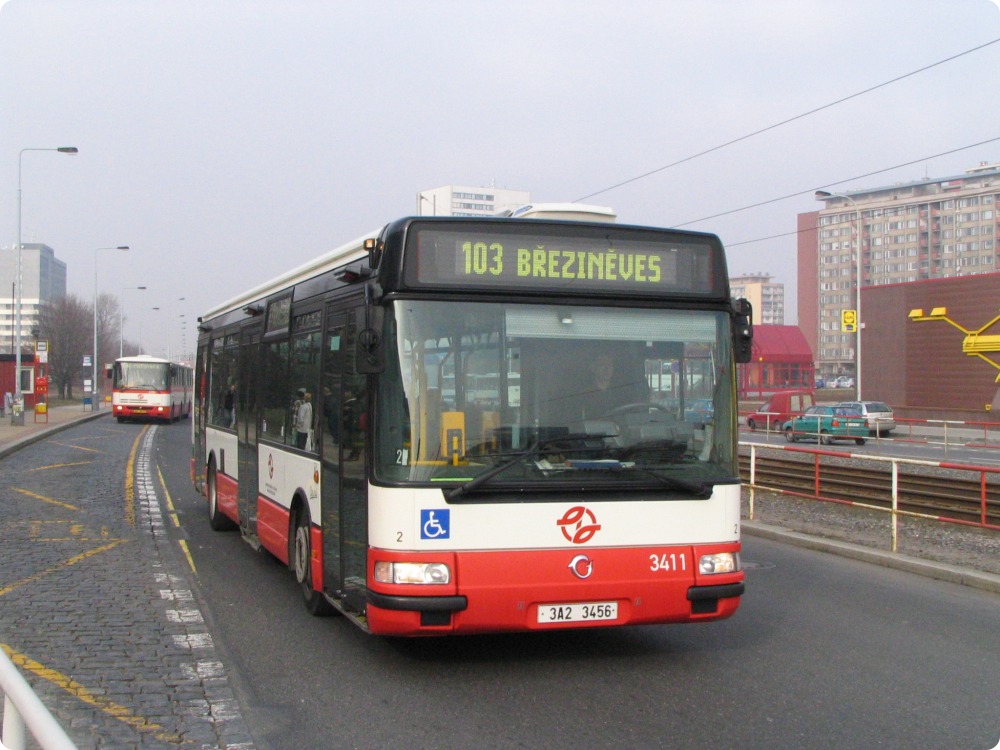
(107, 331)
(66, 323)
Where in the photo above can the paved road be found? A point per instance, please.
(140, 630)
(826, 652)
(96, 604)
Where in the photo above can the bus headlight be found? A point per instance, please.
(404, 572)
(720, 562)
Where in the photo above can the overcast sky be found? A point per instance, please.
(226, 141)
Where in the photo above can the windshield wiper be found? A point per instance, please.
(535, 449)
(698, 489)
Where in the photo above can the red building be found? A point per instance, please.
(782, 360)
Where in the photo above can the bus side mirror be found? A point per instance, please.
(742, 330)
(370, 346)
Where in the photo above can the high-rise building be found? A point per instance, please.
(462, 200)
(43, 278)
(767, 297)
(915, 231)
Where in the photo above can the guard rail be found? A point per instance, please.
(21, 707)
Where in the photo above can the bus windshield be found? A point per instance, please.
(494, 395)
(145, 376)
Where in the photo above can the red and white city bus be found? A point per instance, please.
(150, 388)
(449, 426)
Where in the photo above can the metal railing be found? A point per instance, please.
(21, 707)
(892, 465)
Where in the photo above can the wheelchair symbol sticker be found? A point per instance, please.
(435, 524)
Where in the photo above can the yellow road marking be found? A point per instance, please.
(173, 517)
(187, 554)
(56, 568)
(169, 501)
(78, 447)
(130, 480)
(80, 692)
(61, 504)
(60, 466)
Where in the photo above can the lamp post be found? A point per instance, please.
(93, 385)
(420, 204)
(140, 330)
(121, 318)
(18, 395)
(823, 194)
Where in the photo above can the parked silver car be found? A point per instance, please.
(879, 415)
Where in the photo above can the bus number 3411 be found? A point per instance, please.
(668, 561)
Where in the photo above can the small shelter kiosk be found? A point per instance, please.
(782, 360)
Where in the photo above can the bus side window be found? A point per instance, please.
(275, 392)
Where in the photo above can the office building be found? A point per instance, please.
(43, 278)
(909, 232)
(463, 200)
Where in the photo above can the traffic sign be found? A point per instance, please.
(849, 321)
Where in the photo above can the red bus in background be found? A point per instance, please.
(145, 387)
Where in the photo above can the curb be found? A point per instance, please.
(938, 571)
(35, 436)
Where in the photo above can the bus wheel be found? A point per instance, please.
(218, 520)
(316, 603)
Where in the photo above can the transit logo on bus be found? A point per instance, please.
(573, 526)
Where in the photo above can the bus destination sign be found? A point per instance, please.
(561, 262)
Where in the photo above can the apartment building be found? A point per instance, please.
(909, 232)
(766, 296)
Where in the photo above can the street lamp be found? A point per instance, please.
(18, 395)
(93, 385)
(822, 195)
(121, 318)
(420, 204)
(140, 330)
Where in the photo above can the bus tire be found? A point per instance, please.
(316, 603)
(218, 520)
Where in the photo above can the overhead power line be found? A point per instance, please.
(823, 187)
(785, 122)
(832, 184)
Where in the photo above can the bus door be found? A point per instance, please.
(246, 427)
(200, 418)
(344, 511)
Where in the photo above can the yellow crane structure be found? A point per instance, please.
(975, 343)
